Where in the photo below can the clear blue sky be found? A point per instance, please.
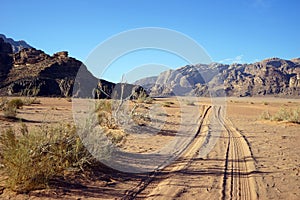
(230, 31)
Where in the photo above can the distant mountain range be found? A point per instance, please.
(25, 70)
(273, 76)
(32, 72)
(16, 45)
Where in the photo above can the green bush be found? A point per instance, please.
(34, 157)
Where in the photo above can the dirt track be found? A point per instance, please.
(225, 173)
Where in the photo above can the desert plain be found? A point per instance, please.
(248, 156)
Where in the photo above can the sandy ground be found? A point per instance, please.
(231, 156)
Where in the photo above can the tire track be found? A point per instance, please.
(239, 164)
(190, 150)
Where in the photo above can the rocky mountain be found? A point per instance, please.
(274, 76)
(16, 45)
(32, 72)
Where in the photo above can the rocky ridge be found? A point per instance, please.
(16, 45)
(32, 72)
(273, 76)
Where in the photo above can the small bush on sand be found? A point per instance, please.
(190, 103)
(168, 104)
(265, 115)
(32, 158)
(265, 103)
(3, 102)
(283, 115)
(17, 103)
(144, 98)
(10, 112)
(104, 113)
(28, 101)
(10, 107)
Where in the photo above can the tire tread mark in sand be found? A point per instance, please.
(132, 193)
(240, 187)
(225, 173)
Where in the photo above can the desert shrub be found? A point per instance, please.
(10, 112)
(265, 103)
(10, 107)
(295, 116)
(116, 136)
(17, 103)
(162, 114)
(144, 98)
(104, 113)
(265, 115)
(104, 105)
(107, 120)
(168, 104)
(34, 157)
(3, 102)
(190, 103)
(283, 115)
(28, 101)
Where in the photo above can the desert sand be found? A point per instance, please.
(233, 153)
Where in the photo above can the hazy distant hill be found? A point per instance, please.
(272, 76)
(16, 45)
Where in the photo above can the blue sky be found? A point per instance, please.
(229, 31)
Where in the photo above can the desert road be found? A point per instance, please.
(227, 172)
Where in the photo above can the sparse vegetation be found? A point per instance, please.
(104, 113)
(168, 104)
(283, 115)
(144, 98)
(32, 158)
(190, 103)
(17, 103)
(28, 101)
(10, 107)
(265, 103)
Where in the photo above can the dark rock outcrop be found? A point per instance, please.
(34, 73)
(31, 72)
(6, 60)
(16, 45)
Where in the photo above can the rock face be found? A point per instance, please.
(31, 72)
(6, 60)
(272, 76)
(16, 45)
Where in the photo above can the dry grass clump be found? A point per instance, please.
(283, 114)
(144, 98)
(9, 107)
(104, 113)
(190, 103)
(168, 104)
(31, 159)
(29, 101)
